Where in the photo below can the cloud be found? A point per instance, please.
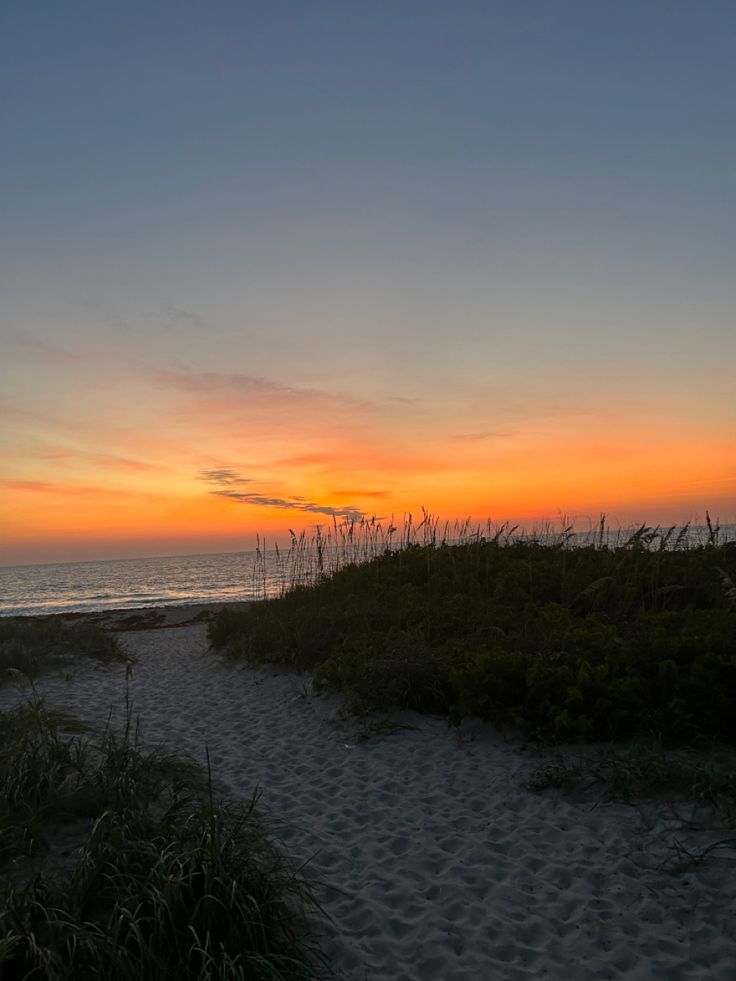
(111, 460)
(223, 475)
(117, 323)
(227, 480)
(205, 382)
(476, 437)
(180, 317)
(237, 383)
(18, 414)
(35, 486)
(87, 491)
(40, 350)
(361, 493)
(170, 318)
(308, 459)
(290, 504)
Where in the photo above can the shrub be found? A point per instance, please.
(566, 643)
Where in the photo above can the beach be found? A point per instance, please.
(432, 858)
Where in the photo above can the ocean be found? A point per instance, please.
(135, 583)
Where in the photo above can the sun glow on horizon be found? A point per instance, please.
(87, 503)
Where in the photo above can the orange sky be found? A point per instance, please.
(114, 456)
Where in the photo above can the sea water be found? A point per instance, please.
(135, 583)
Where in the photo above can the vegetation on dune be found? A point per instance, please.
(121, 864)
(564, 641)
(34, 647)
(641, 770)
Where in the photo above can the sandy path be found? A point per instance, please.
(436, 862)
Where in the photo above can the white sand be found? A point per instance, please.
(436, 862)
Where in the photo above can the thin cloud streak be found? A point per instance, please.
(361, 493)
(228, 478)
(41, 350)
(108, 460)
(223, 475)
(289, 504)
(180, 317)
(212, 382)
(52, 488)
(308, 460)
(478, 437)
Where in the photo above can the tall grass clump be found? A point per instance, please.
(123, 864)
(603, 637)
(34, 647)
(309, 558)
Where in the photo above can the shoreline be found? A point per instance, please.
(125, 619)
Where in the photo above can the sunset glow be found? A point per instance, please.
(253, 283)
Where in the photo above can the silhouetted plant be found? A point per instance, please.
(567, 640)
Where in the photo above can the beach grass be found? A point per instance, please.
(642, 770)
(123, 863)
(607, 639)
(685, 799)
(30, 648)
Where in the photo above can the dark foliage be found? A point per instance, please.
(565, 642)
(35, 646)
(166, 881)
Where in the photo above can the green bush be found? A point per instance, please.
(566, 643)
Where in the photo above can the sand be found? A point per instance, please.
(434, 861)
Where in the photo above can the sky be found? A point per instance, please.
(269, 265)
